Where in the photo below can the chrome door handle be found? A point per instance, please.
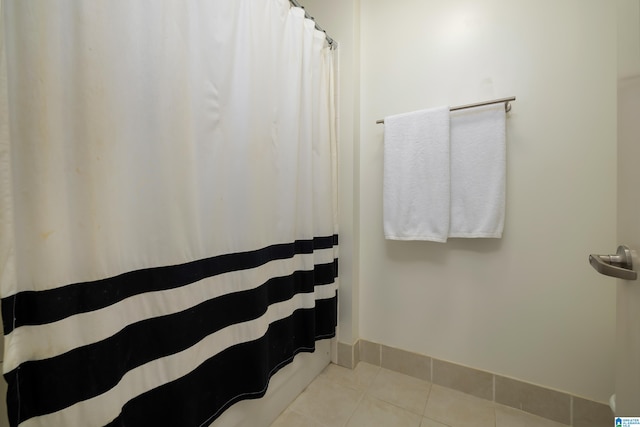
(619, 265)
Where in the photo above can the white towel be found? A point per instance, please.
(416, 175)
(478, 172)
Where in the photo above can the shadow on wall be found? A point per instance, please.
(414, 250)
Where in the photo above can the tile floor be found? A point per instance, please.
(370, 396)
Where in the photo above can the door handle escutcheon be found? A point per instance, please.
(619, 265)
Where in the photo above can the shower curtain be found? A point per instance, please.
(168, 234)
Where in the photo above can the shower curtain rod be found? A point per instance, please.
(507, 105)
(306, 15)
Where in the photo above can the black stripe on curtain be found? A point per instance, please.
(245, 369)
(35, 308)
(40, 387)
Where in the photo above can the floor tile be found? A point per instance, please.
(290, 418)
(327, 402)
(457, 409)
(401, 390)
(374, 396)
(360, 378)
(508, 417)
(426, 422)
(372, 412)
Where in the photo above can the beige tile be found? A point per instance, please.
(345, 355)
(405, 362)
(401, 390)
(467, 380)
(427, 422)
(509, 417)
(370, 352)
(533, 399)
(591, 414)
(456, 409)
(359, 378)
(290, 418)
(373, 412)
(327, 402)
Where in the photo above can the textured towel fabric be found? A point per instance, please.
(478, 172)
(416, 176)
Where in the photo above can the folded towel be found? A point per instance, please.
(478, 172)
(416, 175)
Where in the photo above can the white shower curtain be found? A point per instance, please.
(168, 227)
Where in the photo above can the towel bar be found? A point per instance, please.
(507, 105)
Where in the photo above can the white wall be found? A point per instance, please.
(527, 306)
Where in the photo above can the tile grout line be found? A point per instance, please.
(367, 393)
(431, 369)
(352, 357)
(493, 378)
(360, 399)
(308, 417)
(570, 410)
(397, 406)
(424, 410)
(493, 400)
